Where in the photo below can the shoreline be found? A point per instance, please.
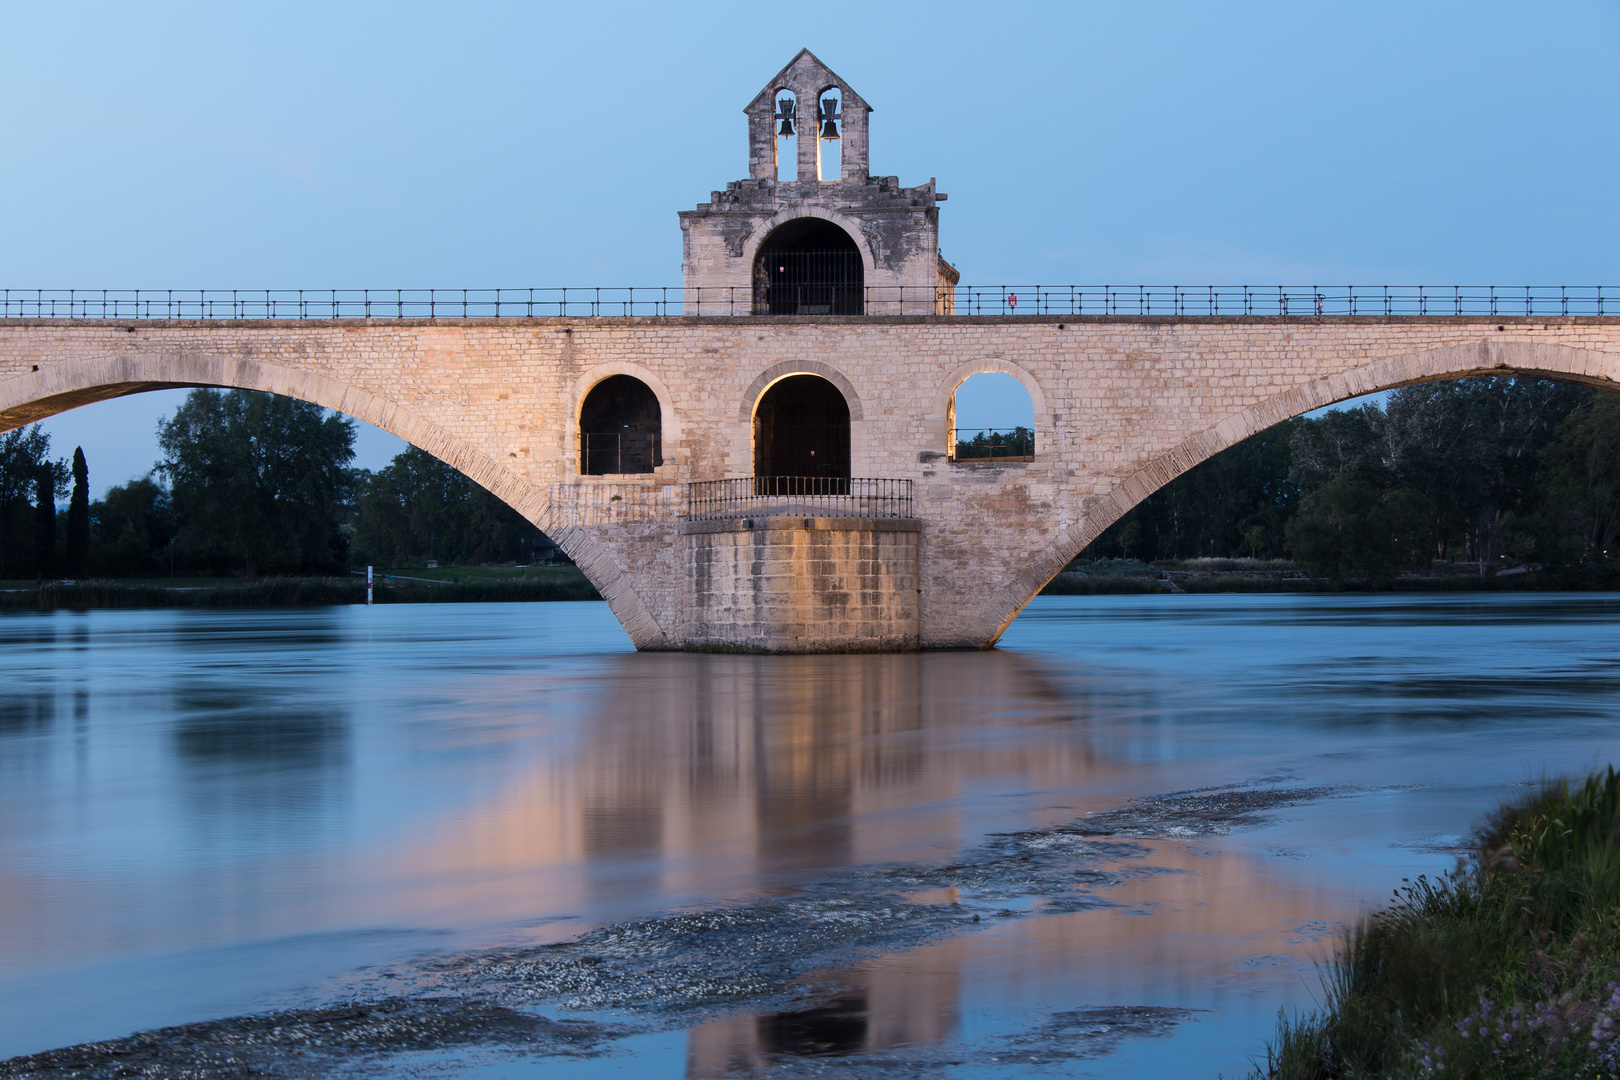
(1104, 577)
(562, 584)
(558, 584)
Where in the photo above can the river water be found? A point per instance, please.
(1114, 846)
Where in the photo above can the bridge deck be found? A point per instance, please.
(1122, 404)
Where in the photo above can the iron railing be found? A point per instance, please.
(595, 503)
(810, 283)
(612, 452)
(992, 444)
(798, 496)
(1045, 301)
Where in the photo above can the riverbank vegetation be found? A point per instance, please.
(1099, 577)
(250, 485)
(1482, 475)
(1508, 967)
(533, 583)
(1494, 483)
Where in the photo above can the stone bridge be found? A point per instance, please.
(1122, 406)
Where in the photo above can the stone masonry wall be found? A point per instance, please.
(802, 584)
(1122, 406)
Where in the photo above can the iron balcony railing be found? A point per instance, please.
(798, 496)
(1101, 301)
(992, 444)
(591, 502)
(611, 452)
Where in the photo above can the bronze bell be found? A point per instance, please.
(831, 109)
(787, 127)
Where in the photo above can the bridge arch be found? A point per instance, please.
(1600, 370)
(27, 398)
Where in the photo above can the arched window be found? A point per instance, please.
(787, 136)
(992, 419)
(621, 428)
(809, 266)
(801, 428)
(829, 122)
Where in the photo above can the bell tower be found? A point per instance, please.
(811, 231)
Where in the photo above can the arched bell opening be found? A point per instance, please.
(787, 136)
(621, 428)
(829, 134)
(809, 266)
(801, 431)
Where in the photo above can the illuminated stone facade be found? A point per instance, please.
(1122, 406)
(894, 228)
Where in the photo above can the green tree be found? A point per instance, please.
(1018, 442)
(1464, 454)
(45, 522)
(1213, 509)
(1527, 469)
(1351, 530)
(131, 528)
(417, 507)
(257, 480)
(1581, 489)
(77, 551)
(1442, 445)
(1353, 522)
(24, 456)
(1518, 417)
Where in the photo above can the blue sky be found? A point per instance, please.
(404, 145)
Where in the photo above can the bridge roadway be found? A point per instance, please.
(1122, 406)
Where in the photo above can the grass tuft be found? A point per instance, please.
(1507, 967)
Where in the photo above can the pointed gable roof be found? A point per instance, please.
(805, 73)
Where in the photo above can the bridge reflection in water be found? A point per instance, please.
(704, 777)
(697, 775)
(496, 776)
(1231, 936)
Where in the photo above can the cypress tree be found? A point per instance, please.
(45, 522)
(78, 522)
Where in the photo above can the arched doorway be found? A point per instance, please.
(620, 428)
(801, 429)
(809, 266)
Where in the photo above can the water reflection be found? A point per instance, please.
(704, 774)
(888, 1009)
(838, 1027)
(245, 736)
(257, 771)
(178, 782)
(27, 713)
(1201, 931)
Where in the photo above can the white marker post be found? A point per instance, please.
(368, 586)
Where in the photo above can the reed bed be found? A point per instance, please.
(294, 591)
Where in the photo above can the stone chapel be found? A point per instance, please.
(811, 231)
